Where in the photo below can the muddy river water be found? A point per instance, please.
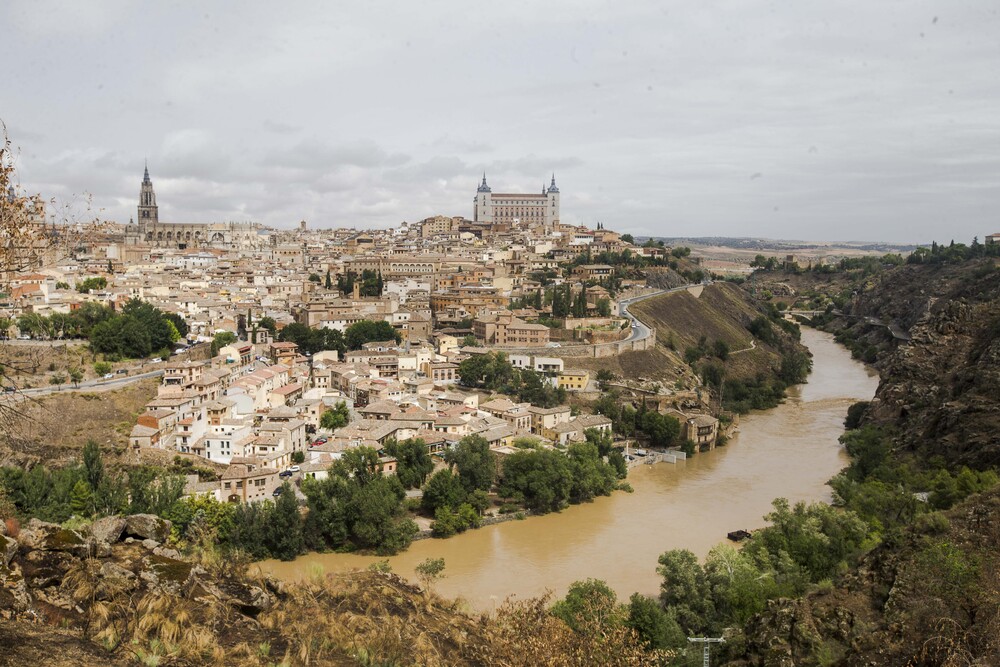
(789, 451)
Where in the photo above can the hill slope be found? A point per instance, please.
(929, 594)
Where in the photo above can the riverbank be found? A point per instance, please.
(789, 451)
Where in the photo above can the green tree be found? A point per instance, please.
(542, 479)
(661, 429)
(414, 462)
(337, 417)
(443, 489)
(604, 376)
(311, 341)
(360, 464)
(657, 628)
(180, 324)
(94, 283)
(816, 538)
(474, 463)
(75, 375)
(740, 587)
(366, 331)
(93, 464)
(376, 516)
(102, 368)
(686, 591)
(284, 530)
(221, 340)
(591, 477)
(429, 571)
(589, 607)
(81, 500)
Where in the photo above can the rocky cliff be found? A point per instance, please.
(939, 389)
(929, 594)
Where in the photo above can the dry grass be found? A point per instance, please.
(57, 426)
(358, 618)
(722, 312)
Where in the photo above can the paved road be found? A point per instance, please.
(61, 342)
(639, 330)
(117, 382)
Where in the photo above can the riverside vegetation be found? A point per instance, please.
(355, 508)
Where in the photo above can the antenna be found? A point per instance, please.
(706, 643)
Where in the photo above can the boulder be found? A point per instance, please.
(249, 599)
(169, 574)
(150, 544)
(147, 527)
(108, 529)
(8, 549)
(111, 570)
(167, 553)
(42, 536)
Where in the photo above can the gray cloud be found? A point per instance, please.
(865, 120)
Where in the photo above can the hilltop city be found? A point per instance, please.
(285, 348)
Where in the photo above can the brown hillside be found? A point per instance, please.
(58, 425)
(722, 312)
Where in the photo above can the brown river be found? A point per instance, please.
(789, 451)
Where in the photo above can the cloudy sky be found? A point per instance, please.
(802, 119)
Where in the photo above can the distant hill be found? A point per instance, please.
(776, 245)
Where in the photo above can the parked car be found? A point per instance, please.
(285, 473)
(9, 390)
(155, 360)
(108, 376)
(294, 469)
(121, 371)
(277, 492)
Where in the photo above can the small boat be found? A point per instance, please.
(738, 535)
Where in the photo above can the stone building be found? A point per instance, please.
(150, 231)
(505, 330)
(516, 209)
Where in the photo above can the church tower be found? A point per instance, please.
(552, 206)
(148, 212)
(483, 211)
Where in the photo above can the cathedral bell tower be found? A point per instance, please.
(148, 212)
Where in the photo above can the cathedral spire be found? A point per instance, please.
(148, 212)
(553, 188)
(483, 187)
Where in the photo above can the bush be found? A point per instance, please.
(854, 414)
(932, 523)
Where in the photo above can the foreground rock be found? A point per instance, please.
(147, 527)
